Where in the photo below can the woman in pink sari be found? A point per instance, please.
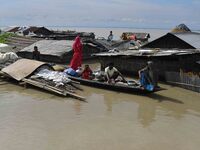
(77, 56)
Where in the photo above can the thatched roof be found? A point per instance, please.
(51, 47)
(37, 30)
(12, 29)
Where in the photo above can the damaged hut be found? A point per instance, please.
(37, 32)
(180, 40)
(12, 29)
(57, 51)
(19, 42)
(110, 46)
(41, 75)
(70, 35)
(181, 37)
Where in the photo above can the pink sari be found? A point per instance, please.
(77, 56)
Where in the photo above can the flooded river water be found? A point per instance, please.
(35, 120)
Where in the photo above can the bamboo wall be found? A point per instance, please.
(132, 64)
(188, 80)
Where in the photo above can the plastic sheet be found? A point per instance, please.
(59, 78)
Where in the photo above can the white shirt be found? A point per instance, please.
(110, 72)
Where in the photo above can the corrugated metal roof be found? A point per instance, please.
(148, 53)
(192, 38)
(51, 47)
(183, 40)
(37, 30)
(109, 45)
(32, 29)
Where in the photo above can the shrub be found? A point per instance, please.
(4, 36)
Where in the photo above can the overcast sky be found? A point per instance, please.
(101, 13)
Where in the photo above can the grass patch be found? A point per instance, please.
(4, 36)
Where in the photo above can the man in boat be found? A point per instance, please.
(147, 77)
(36, 53)
(112, 74)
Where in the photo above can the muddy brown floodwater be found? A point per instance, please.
(35, 120)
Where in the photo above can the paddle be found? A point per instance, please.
(123, 78)
(128, 82)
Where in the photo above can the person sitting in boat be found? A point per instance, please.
(99, 75)
(36, 53)
(71, 72)
(110, 37)
(124, 36)
(112, 74)
(79, 71)
(132, 37)
(87, 73)
(147, 77)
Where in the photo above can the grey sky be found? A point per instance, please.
(101, 13)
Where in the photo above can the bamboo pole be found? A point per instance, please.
(68, 88)
(75, 82)
(43, 86)
(3, 82)
(4, 76)
(53, 89)
(76, 86)
(2, 73)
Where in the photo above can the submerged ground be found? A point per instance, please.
(32, 119)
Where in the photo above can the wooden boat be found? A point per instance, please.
(114, 87)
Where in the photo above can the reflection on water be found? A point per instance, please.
(77, 107)
(146, 114)
(162, 98)
(32, 119)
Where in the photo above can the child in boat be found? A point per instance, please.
(79, 71)
(87, 73)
